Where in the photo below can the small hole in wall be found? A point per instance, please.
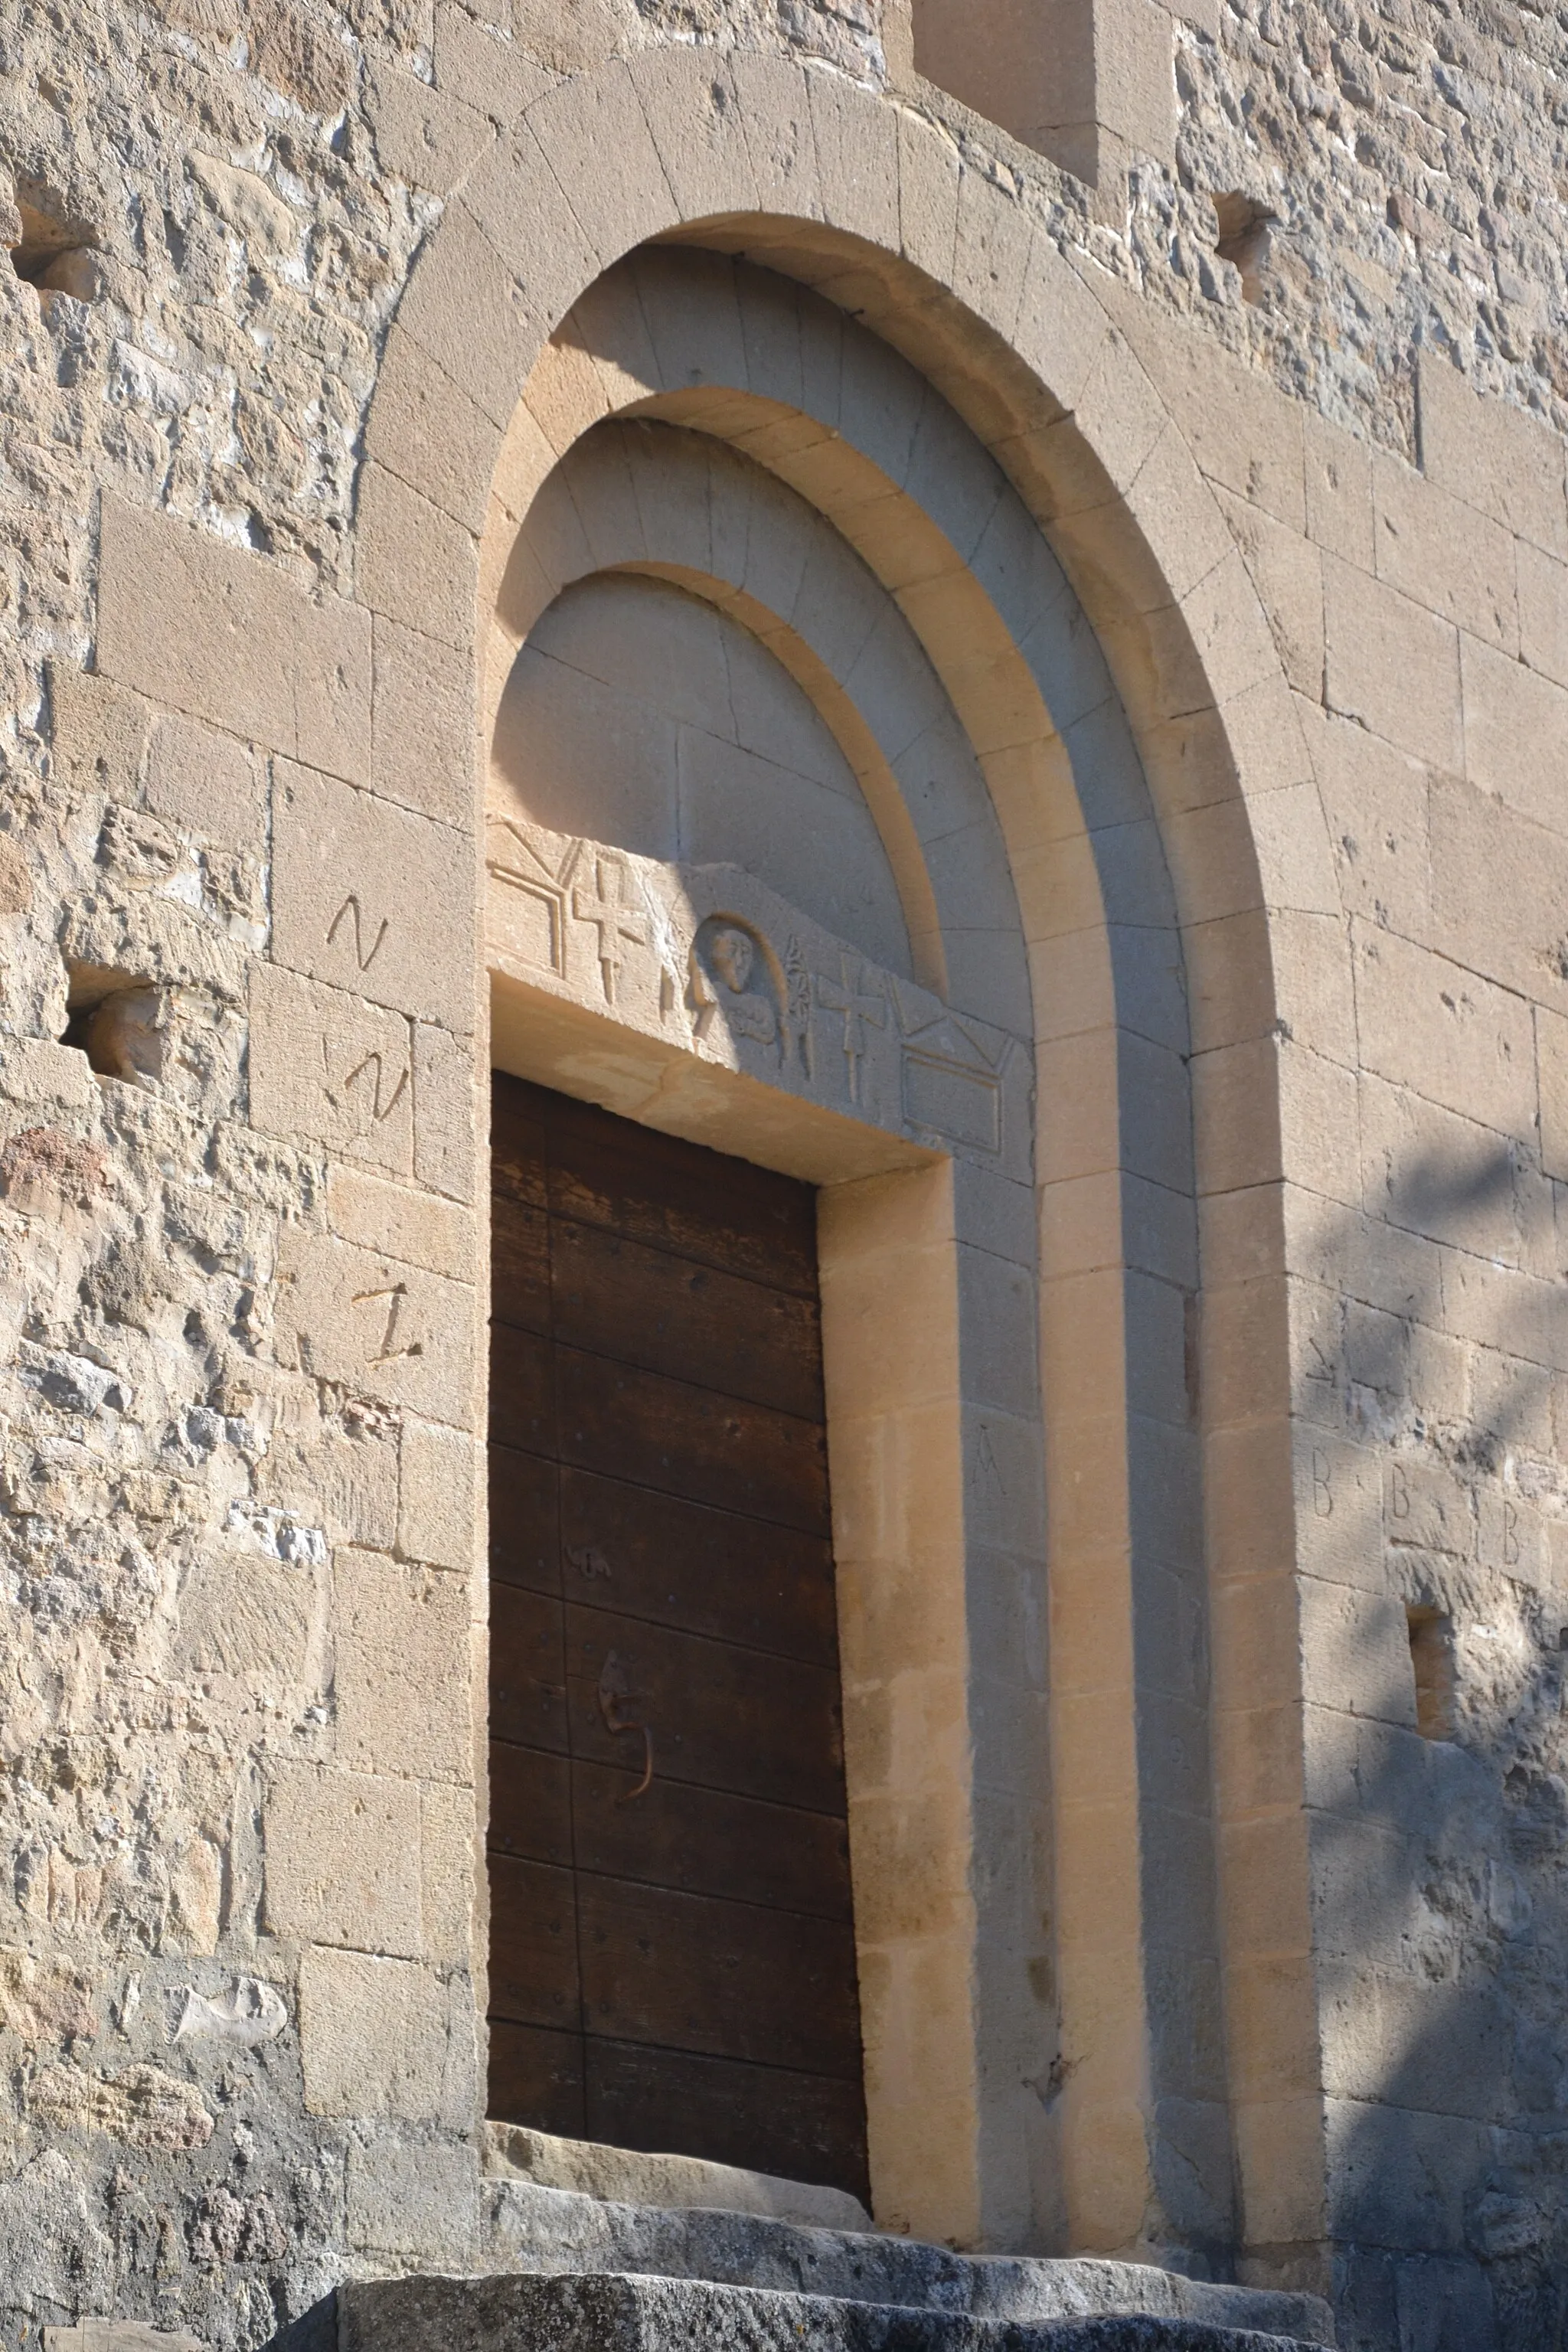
(55, 252)
(1244, 239)
(1432, 1662)
(117, 1020)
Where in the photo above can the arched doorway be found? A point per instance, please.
(1124, 2143)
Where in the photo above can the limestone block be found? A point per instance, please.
(626, 196)
(1493, 457)
(387, 1330)
(1551, 1067)
(928, 172)
(437, 1496)
(1080, 1129)
(1237, 1114)
(701, 148)
(1397, 2177)
(1426, 1508)
(446, 1110)
(254, 1620)
(1504, 1308)
(521, 211)
(326, 1067)
(204, 782)
(225, 637)
(1246, 435)
(416, 565)
(343, 1860)
(428, 136)
(142, 2106)
(1287, 573)
(372, 898)
(403, 1700)
(1279, 2152)
(1442, 555)
(424, 428)
(99, 734)
(1339, 494)
(1426, 1024)
(373, 2036)
(119, 2336)
(418, 1227)
(857, 158)
(1513, 1537)
(336, 1472)
(158, 940)
(1392, 665)
(497, 77)
(413, 2197)
(1375, 811)
(470, 303)
(39, 1072)
(1544, 611)
(568, 36)
(1355, 1651)
(1516, 735)
(422, 725)
(449, 1821)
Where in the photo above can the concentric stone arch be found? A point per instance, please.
(871, 206)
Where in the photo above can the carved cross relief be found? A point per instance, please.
(710, 960)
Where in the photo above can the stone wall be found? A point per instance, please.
(219, 1493)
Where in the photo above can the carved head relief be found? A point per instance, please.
(733, 980)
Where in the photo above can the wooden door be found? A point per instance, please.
(672, 1953)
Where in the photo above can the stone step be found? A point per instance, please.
(529, 2228)
(624, 2313)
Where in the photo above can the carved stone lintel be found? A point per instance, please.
(710, 960)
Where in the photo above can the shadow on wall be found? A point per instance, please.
(1436, 1643)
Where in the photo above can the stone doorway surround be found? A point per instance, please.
(1129, 716)
(1052, 2025)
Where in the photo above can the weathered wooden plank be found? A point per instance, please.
(726, 1979)
(536, 2077)
(666, 1314)
(679, 1563)
(685, 1440)
(720, 1716)
(519, 1266)
(530, 1804)
(519, 1145)
(800, 2127)
(525, 1519)
(528, 1697)
(705, 1841)
(534, 1943)
(658, 1188)
(522, 1390)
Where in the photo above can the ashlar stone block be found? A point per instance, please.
(329, 1069)
(435, 1517)
(373, 899)
(1392, 666)
(421, 1228)
(404, 1682)
(227, 637)
(342, 1859)
(387, 1330)
(1490, 454)
(374, 2037)
(204, 782)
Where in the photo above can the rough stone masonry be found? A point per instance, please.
(1118, 449)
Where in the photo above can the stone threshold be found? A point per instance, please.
(676, 2183)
